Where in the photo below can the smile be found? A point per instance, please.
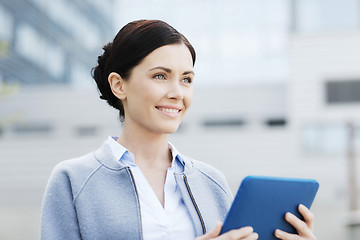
(169, 110)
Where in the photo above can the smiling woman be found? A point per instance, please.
(137, 185)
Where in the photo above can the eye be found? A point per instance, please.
(187, 80)
(159, 76)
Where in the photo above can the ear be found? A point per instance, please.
(117, 85)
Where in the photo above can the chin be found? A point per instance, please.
(169, 129)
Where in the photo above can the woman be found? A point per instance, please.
(137, 185)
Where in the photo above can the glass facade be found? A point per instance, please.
(242, 41)
(313, 16)
(45, 41)
(237, 41)
(328, 139)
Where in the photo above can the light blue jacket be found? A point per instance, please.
(94, 197)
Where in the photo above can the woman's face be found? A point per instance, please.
(159, 90)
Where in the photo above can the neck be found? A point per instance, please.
(148, 148)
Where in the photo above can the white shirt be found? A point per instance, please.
(169, 222)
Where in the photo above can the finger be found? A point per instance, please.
(213, 233)
(285, 236)
(301, 227)
(252, 236)
(241, 233)
(308, 216)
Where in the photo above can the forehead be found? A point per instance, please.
(175, 56)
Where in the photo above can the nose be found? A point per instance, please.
(175, 91)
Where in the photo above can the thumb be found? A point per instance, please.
(213, 233)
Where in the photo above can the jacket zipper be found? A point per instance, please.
(195, 205)
(138, 201)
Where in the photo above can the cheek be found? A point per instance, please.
(189, 97)
(149, 94)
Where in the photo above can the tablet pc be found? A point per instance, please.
(261, 202)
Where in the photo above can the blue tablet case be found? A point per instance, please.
(261, 202)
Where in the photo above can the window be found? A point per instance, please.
(84, 131)
(342, 92)
(276, 122)
(6, 31)
(6, 24)
(36, 48)
(225, 122)
(325, 139)
(324, 15)
(32, 128)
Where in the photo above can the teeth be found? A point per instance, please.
(169, 110)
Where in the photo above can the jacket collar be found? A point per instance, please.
(111, 159)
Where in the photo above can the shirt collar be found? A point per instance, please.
(126, 157)
(120, 152)
(175, 154)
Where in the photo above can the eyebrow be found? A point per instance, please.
(168, 70)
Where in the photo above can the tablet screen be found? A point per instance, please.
(261, 202)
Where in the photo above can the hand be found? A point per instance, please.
(304, 228)
(245, 233)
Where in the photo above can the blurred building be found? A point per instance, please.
(51, 41)
(324, 97)
(324, 79)
(324, 91)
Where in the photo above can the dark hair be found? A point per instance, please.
(130, 46)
